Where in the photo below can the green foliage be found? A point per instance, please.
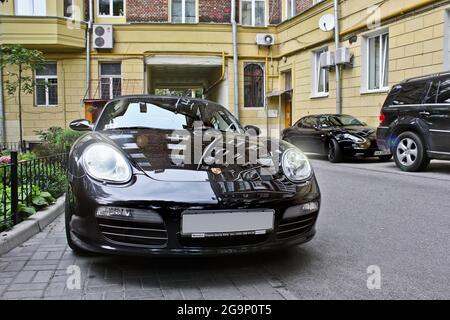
(56, 140)
(20, 62)
(27, 156)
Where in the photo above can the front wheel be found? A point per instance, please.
(409, 153)
(76, 249)
(334, 151)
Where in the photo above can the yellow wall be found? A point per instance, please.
(416, 48)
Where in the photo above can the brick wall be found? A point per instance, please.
(147, 11)
(275, 11)
(214, 11)
(303, 5)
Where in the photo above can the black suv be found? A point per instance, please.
(415, 122)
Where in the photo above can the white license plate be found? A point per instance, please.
(226, 223)
(382, 153)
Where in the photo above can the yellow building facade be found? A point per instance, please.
(389, 41)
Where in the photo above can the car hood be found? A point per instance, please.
(165, 155)
(364, 132)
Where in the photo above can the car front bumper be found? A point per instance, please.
(127, 237)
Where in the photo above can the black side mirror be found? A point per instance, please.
(252, 130)
(81, 125)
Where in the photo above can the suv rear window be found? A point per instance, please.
(411, 93)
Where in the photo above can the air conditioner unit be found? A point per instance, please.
(103, 36)
(343, 56)
(327, 60)
(265, 40)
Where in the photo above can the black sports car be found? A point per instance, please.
(166, 175)
(335, 135)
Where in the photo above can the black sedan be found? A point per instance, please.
(172, 176)
(336, 136)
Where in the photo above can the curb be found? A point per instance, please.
(30, 227)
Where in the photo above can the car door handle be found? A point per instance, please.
(424, 113)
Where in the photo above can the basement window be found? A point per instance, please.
(253, 13)
(184, 11)
(110, 8)
(46, 79)
(31, 7)
(110, 80)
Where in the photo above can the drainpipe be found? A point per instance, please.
(2, 110)
(338, 68)
(235, 59)
(88, 49)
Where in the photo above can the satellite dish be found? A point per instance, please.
(326, 22)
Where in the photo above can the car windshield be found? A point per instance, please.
(167, 114)
(339, 121)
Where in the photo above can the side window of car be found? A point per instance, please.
(301, 123)
(309, 122)
(413, 93)
(444, 92)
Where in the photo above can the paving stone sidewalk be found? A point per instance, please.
(39, 268)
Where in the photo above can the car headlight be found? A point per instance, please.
(354, 138)
(105, 163)
(296, 166)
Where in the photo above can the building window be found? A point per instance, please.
(377, 62)
(68, 7)
(112, 8)
(320, 76)
(31, 7)
(253, 13)
(184, 11)
(291, 8)
(110, 80)
(253, 86)
(46, 79)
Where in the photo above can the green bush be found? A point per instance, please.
(56, 140)
(38, 200)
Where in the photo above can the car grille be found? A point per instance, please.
(296, 226)
(224, 241)
(133, 233)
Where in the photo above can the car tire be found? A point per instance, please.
(334, 151)
(76, 249)
(385, 158)
(409, 153)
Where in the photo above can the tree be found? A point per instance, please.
(20, 63)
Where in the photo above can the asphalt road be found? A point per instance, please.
(372, 215)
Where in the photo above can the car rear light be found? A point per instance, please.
(382, 118)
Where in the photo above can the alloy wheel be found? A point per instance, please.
(407, 152)
(331, 151)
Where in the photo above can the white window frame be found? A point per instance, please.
(111, 10)
(46, 78)
(183, 11)
(33, 9)
(366, 66)
(111, 79)
(253, 24)
(315, 75)
(293, 11)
